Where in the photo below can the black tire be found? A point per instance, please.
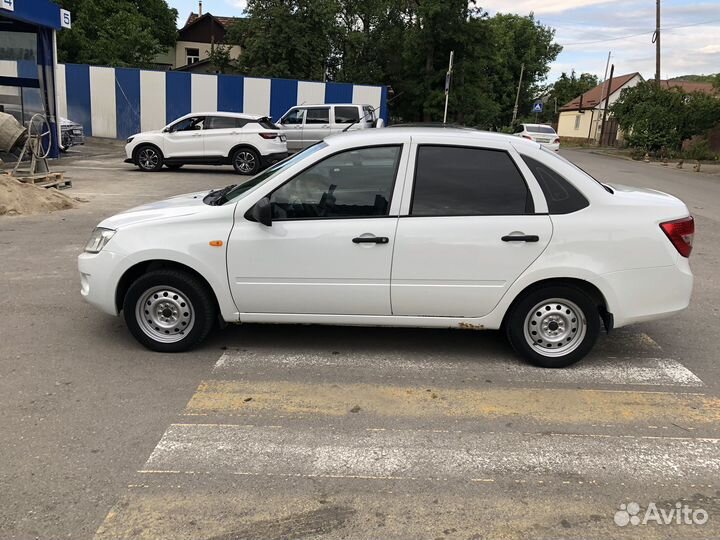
(174, 166)
(193, 305)
(149, 158)
(576, 326)
(246, 161)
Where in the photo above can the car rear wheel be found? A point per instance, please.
(246, 161)
(553, 327)
(169, 310)
(149, 158)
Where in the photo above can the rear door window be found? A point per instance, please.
(224, 122)
(346, 115)
(467, 181)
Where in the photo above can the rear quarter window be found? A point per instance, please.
(561, 196)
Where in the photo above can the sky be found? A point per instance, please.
(589, 29)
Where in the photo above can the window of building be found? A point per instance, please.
(192, 56)
(577, 121)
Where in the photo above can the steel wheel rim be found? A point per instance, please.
(165, 314)
(555, 327)
(148, 158)
(245, 161)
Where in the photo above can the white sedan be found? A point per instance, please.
(540, 133)
(418, 227)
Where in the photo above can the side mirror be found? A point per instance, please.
(167, 130)
(262, 212)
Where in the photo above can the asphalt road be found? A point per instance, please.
(289, 432)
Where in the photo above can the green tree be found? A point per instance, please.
(286, 38)
(565, 89)
(117, 32)
(654, 117)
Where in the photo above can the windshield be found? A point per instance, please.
(241, 190)
(540, 129)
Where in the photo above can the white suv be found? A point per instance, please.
(306, 125)
(249, 143)
(439, 228)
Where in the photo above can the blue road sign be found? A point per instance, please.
(537, 107)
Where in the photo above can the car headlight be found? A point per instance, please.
(130, 139)
(99, 237)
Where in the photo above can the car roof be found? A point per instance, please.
(225, 113)
(374, 136)
(306, 105)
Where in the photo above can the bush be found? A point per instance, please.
(700, 151)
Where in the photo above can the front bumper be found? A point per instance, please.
(97, 279)
(129, 160)
(270, 159)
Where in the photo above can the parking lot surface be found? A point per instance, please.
(271, 432)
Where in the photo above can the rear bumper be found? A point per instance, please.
(646, 294)
(270, 159)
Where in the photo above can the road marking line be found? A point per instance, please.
(316, 452)
(541, 405)
(644, 371)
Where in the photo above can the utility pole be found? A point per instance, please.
(517, 96)
(607, 103)
(594, 123)
(448, 77)
(656, 40)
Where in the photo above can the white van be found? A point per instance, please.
(304, 125)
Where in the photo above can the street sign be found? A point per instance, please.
(537, 107)
(8, 4)
(65, 18)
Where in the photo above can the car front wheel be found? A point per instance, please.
(149, 158)
(169, 310)
(554, 327)
(246, 161)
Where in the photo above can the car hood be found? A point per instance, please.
(181, 205)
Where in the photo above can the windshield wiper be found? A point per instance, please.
(216, 196)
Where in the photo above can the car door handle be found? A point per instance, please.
(371, 240)
(521, 238)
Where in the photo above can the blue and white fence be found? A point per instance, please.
(117, 102)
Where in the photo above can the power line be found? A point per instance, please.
(648, 32)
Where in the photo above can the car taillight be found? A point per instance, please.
(269, 135)
(557, 141)
(681, 233)
(527, 137)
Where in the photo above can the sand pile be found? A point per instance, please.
(18, 198)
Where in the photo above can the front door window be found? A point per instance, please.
(354, 183)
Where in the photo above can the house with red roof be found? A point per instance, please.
(581, 118)
(195, 40)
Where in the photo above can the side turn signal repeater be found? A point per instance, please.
(216, 243)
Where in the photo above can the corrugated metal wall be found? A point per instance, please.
(117, 102)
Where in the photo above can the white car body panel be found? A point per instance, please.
(435, 272)
(546, 140)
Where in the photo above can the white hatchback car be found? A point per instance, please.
(249, 143)
(420, 227)
(540, 133)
